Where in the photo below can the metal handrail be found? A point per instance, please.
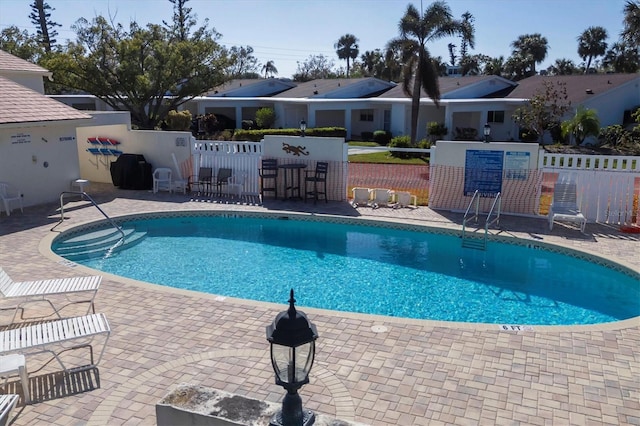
(84, 194)
(498, 201)
(476, 198)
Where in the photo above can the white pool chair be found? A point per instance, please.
(7, 402)
(180, 183)
(404, 199)
(162, 179)
(564, 206)
(381, 197)
(360, 197)
(15, 365)
(35, 291)
(10, 196)
(57, 337)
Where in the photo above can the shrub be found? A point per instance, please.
(436, 130)
(382, 137)
(265, 117)
(178, 120)
(400, 142)
(366, 136)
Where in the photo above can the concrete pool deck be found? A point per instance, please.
(368, 369)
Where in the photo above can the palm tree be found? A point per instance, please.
(347, 48)
(269, 69)
(622, 58)
(494, 66)
(419, 69)
(532, 48)
(584, 123)
(563, 66)
(631, 31)
(591, 44)
(467, 36)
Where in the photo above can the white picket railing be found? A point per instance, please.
(606, 184)
(241, 157)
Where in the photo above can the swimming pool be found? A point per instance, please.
(374, 268)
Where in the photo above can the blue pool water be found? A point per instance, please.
(374, 270)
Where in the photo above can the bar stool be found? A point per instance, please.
(80, 184)
(15, 365)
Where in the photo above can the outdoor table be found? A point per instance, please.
(292, 181)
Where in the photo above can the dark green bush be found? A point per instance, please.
(265, 117)
(257, 135)
(382, 137)
(400, 142)
(366, 136)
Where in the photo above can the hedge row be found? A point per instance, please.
(258, 135)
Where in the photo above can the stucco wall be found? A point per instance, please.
(156, 146)
(39, 161)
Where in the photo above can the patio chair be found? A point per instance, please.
(57, 337)
(15, 365)
(381, 197)
(403, 199)
(7, 402)
(269, 171)
(202, 181)
(316, 178)
(8, 196)
(235, 185)
(222, 179)
(162, 179)
(360, 197)
(564, 206)
(37, 291)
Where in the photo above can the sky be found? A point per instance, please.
(287, 32)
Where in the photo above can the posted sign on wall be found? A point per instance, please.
(483, 172)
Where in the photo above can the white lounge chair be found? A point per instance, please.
(564, 207)
(7, 402)
(57, 337)
(381, 197)
(9, 196)
(404, 199)
(34, 291)
(360, 197)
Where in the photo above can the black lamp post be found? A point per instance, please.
(303, 127)
(292, 337)
(487, 132)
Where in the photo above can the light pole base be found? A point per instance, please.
(308, 418)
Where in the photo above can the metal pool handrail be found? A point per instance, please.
(84, 194)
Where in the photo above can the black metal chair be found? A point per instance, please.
(269, 171)
(203, 180)
(222, 178)
(317, 178)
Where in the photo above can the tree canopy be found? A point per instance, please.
(148, 71)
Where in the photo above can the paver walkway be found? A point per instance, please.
(373, 370)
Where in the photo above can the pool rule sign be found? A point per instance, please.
(483, 172)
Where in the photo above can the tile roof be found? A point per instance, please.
(9, 62)
(19, 104)
(577, 85)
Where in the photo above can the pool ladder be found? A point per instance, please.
(469, 240)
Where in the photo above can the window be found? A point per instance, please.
(366, 115)
(495, 117)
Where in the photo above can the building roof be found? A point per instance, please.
(258, 87)
(20, 105)
(449, 85)
(9, 62)
(338, 88)
(579, 87)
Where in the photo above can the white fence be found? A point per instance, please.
(241, 157)
(606, 184)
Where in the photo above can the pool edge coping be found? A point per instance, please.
(46, 243)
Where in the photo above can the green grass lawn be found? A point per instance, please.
(383, 157)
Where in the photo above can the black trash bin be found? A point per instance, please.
(131, 171)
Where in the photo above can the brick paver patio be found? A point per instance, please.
(373, 370)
